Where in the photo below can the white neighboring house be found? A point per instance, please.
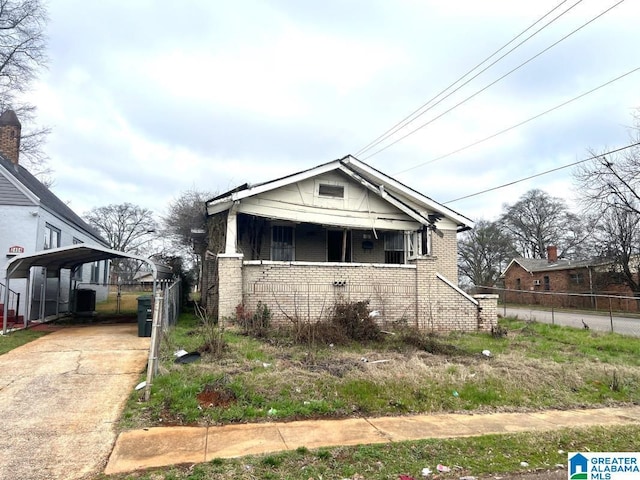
(33, 219)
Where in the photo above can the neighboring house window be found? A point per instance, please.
(105, 273)
(394, 247)
(547, 283)
(51, 237)
(282, 248)
(95, 272)
(518, 284)
(576, 278)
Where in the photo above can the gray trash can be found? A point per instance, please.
(145, 317)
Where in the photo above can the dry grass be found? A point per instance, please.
(128, 302)
(297, 381)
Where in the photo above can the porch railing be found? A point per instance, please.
(13, 305)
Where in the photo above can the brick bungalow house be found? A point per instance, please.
(33, 219)
(341, 231)
(526, 281)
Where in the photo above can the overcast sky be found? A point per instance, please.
(148, 98)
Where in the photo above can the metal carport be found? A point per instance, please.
(63, 258)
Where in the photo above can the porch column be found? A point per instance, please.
(426, 294)
(229, 284)
(232, 230)
(487, 311)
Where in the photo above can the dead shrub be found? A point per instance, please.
(255, 324)
(353, 319)
(212, 333)
(427, 342)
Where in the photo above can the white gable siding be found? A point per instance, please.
(299, 202)
(12, 195)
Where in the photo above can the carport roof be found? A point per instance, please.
(67, 257)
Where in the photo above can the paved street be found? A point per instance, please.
(60, 397)
(623, 325)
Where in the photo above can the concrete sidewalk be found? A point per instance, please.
(161, 446)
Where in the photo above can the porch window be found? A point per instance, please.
(394, 247)
(51, 237)
(282, 248)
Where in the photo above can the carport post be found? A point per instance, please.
(43, 294)
(6, 305)
(58, 297)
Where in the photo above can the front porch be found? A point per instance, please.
(413, 294)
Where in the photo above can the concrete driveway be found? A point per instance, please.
(60, 397)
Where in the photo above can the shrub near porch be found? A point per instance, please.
(276, 378)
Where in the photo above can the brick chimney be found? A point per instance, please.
(552, 254)
(10, 129)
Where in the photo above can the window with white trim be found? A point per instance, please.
(331, 191)
(394, 247)
(51, 237)
(282, 244)
(95, 272)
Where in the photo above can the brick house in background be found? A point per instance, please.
(32, 219)
(532, 281)
(342, 231)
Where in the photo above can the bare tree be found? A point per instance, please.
(483, 252)
(611, 186)
(23, 45)
(127, 228)
(186, 226)
(538, 220)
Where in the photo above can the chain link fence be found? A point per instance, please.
(166, 309)
(602, 312)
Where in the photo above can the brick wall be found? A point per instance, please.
(10, 141)
(441, 305)
(444, 245)
(229, 285)
(309, 290)
(414, 294)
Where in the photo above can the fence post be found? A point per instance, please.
(154, 350)
(553, 316)
(611, 314)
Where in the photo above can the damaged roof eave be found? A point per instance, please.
(410, 192)
(380, 191)
(219, 206)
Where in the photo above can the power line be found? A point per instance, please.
(495, 81)
(543, 173)
(417, 113)
(519, 124)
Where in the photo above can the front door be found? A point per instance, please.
(336, 241)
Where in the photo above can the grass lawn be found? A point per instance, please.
(18, 338)
(128, 302)
(534, 367)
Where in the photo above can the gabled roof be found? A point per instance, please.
(48, 199)
(537, 265)
(381, 184)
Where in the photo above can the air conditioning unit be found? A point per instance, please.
(536, 282)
